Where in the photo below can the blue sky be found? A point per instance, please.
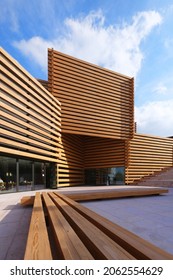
(132, 37)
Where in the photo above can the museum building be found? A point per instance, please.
(75, 129)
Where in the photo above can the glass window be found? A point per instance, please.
(90, 177)
(105, 176)
(7, 174)
(25, 175)
(39, 175)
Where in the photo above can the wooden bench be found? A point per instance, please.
(79, 233)
(135, 245)
(69, 246)
(110, 194)
(105, 194)
(38, 245)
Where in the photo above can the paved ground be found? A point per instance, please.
(150, 217)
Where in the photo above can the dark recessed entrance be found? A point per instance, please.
(105, 176)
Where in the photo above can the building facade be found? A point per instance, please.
(77, 128)
(30, 130)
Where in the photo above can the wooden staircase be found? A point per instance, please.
(162, 178)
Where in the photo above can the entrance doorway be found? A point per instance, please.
(104, 176)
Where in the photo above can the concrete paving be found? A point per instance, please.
(150, 217)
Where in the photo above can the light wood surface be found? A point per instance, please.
(38, 245)
(95, 101)
(30, 116)
(146, 154)
(99, 244)
(69, 245)
(135, 245)
(80, 233)
(108, 194)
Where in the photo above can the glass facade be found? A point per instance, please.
(23, 175)
(105, 176)
(8, 174)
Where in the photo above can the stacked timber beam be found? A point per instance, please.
(147, 154)
(30, 116)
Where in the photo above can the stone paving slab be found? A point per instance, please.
(149, 217)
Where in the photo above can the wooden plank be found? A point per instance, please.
(147, 154)
(66, 81)
(99, 244)
(36, 132)
(24, 146)
(27, 124)
(69, 244)
(26, 154)
(22, 96)
(72, 161)
(138, 247)
(33, 121)
(28, 111)
(108, 194)
(87, 65)
(27, 200)
(43, 93)
(26, 138)
(38, 246)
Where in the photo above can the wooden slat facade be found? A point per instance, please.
(30, 117)
(84, 152)
(95, 101)
(71, 164)
(146, 154)
(103, 152)
(44, 83)
(95, 129)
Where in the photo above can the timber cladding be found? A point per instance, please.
(83, 152)
(71, 163)
(146, 154)
(95, 101)
(30, 116)
(103, 152)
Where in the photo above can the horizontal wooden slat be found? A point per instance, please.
(147, 154)
(45, 130)
(36, 86)
(86, 91)
(19, 94)
(103, 152)
(31, 130)
(16, 152)
(84, 152)
(30, 116)
(70, 168)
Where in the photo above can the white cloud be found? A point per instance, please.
(36, 50)
(160, 89)
(88, 38)
(155, 118)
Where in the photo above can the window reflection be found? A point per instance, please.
(105, 176)
(7, 174)
(25, 175)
